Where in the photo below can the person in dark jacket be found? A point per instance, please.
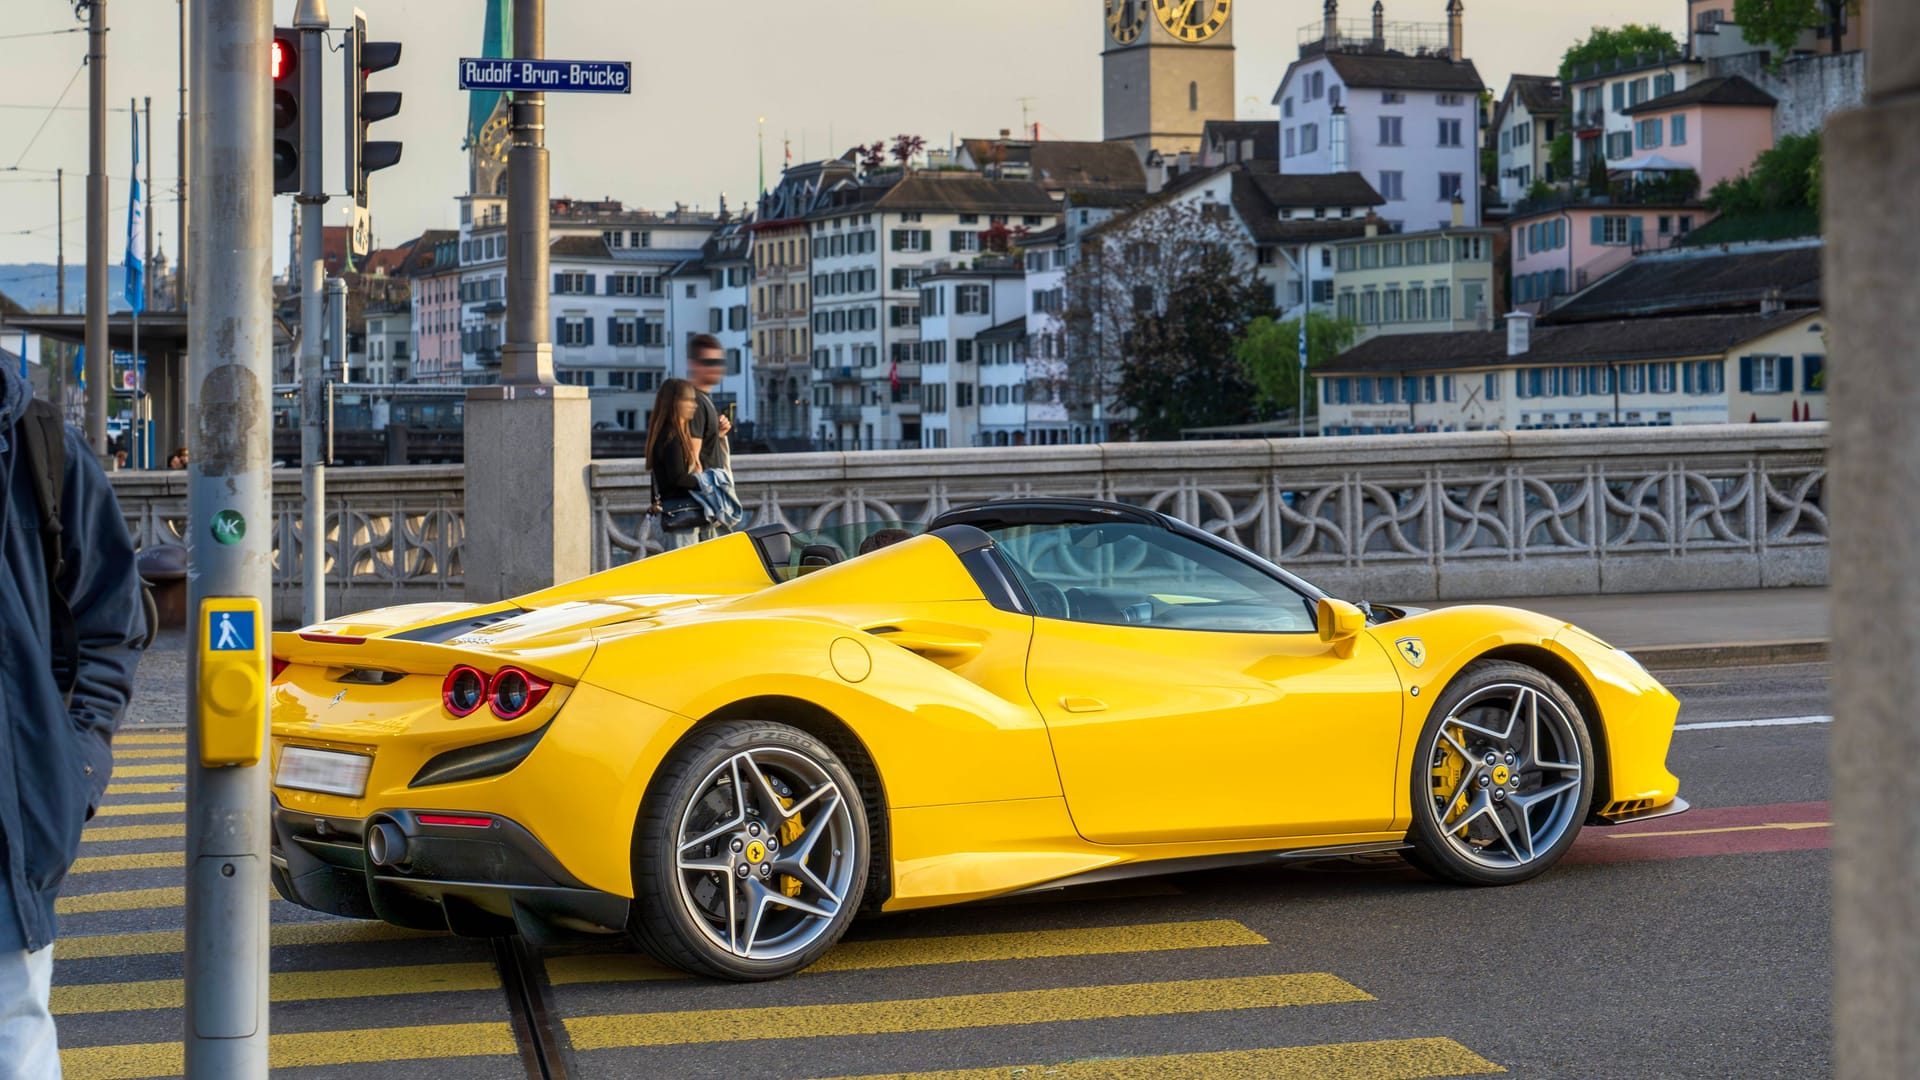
(673, 456)
(55, 747)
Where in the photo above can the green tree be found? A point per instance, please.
(1181, 371)
(1269, 354)
(1606, 45)
(1560, 155)
(1786, 177)
(1779, 24)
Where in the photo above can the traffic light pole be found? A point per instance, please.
(311, 20)
(230, 377)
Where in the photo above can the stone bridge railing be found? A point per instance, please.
(1403, 517)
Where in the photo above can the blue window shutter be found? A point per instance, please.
(1810, 368)
(1746, 374)
(587, 324)
(1599, 229)
(1635, 233)
(559, 331)
(1686, 375)
(613, 330)
(591, 284)
(1786, 374)
(559, 283)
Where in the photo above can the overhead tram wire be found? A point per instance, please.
(43, 33)
(82, 66)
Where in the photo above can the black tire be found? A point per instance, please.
(1480, 841)
(679, 914)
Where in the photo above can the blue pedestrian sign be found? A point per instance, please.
(551, 76)
(230, 631)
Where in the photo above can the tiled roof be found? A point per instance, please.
(1011, 330)
(1264, 133)
(948, 193)
(1078, 166)
(1724, 90)
(579, 247)
(1701, 281)
(1654, 338)
(1539, 93)
(1308, 190)
(1390, 71)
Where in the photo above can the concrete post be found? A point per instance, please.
(99, 347)
(529, 522)
(311, 20)
(229, 505)
(1872, 156)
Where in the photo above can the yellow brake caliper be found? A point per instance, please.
(1447, 774)
(790, 832)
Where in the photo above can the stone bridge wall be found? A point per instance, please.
(1396, 517)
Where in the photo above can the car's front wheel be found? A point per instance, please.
(1502, 778)
(751, 855)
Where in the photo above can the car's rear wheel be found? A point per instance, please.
(1502, 778)
(751, 855)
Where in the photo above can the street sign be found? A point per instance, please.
(551, 76)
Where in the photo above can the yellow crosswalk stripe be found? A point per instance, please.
(145, 860)
(1387, 1059)
(963, 1011)
(294, 1050)
(136, 809)
(166, 942)
(129, 900)
(962, 948)
(147, 789)
(155, 738)
(178, 772)
(140, 753)
(107, 834)
(282, 986)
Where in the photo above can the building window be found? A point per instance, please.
(1637, 91)
(1766, 374)
(962, 241)
(1660, 378)
(1286, 109)
(576, 331)
(1440, 301)
(1193, 97)
(1648, 132)
(1662, 85)
(1347, 257)
(1288, 148)
(1416, 304)
(1390, 131)
(1449, 133)
(623, 333)
(1369, 307)
(1679, 133)
(1309, 138)
(1392, 185)
(971, 300)
(1344, 307)
(1392, 97)
(912, 239)
(1619, 145)
(1449, 186)
(573, 284)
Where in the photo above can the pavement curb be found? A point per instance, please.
(1730, 654)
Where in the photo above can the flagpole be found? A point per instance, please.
(1306, 309)
(137, 296)
(142, 408)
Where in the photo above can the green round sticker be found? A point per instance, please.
(228, 526)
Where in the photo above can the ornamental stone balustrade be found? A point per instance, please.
(1394, 517)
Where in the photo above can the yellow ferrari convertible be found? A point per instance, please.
(727, 752)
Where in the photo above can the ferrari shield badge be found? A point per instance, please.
(1413, 650)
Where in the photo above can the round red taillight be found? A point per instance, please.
(514, 692)
(464, 690)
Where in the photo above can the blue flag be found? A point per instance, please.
(135, 263)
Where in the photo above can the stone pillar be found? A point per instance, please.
(1872, 160)
(528, 512)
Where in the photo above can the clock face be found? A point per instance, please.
(1125, 20)
(1192, 20)
(493, 139)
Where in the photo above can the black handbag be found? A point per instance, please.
(679, 513)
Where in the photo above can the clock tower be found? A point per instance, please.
(487, 154)
(1169, 70)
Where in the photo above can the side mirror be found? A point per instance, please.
(1339, 623)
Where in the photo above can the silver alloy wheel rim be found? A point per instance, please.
(764, 854)
(1519, 790)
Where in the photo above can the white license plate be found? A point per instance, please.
(326, 771)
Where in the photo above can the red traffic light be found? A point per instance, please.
(285, 59)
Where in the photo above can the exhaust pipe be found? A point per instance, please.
(387, 846)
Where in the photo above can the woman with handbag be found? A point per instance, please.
(673, 463)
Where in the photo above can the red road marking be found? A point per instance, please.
(1718, 830)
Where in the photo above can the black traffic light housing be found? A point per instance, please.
(364, 107)
(285, 71)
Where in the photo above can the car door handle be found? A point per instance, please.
(1074, 704)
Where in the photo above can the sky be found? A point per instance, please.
(823, 75)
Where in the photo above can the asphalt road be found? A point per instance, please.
(1693, 946)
